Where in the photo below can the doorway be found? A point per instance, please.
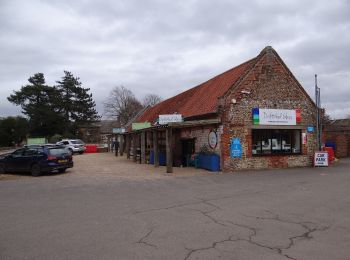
(188, 150)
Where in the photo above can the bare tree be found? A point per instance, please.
(151, 100)
(121, 105)
(325, 118)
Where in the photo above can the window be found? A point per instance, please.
(57, 151)
(78, 141)
(18, 153)
(276, 141)
(30, 152)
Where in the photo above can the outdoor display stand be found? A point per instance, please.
(210, 162)
(91, 148)
(161, 160)
(330, 152)
(321, 159)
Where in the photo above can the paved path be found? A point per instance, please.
(124, 210)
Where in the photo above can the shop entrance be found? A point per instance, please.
(188, 150)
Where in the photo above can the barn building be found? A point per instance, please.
(253, 116)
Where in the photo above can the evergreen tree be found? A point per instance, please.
(39, 102)
(13, 130)
(77, 105)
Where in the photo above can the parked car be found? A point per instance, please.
(37, 159)
(74, 145)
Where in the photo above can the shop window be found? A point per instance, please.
(276, 141)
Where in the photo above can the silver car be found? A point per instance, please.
(74, 145)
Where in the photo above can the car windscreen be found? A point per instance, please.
(77, 142)
(58, 151)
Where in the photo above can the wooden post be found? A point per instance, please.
(143, 147)
(116, 145)
(139, 146)
(134, 144)
(124, 144)
(127, 146)
(169, 151)
(121, 145)
(109, 143)
(155, 148)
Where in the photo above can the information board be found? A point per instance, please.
(321, 159)
(236, 148)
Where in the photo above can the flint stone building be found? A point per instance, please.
(254, 116)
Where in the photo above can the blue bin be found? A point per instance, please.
(161, 158)
(331, 144)
(210, 162)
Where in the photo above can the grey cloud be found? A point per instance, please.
(165, 47)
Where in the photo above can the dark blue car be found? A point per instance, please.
(37, 159)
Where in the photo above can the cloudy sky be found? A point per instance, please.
(167, 46)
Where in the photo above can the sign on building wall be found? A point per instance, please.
(138, 126)
(171, 118)
(321, 159)
(304, 138)
(236, 148)
(118, 130)
(310, 129)
(212, 139)
(276, 116)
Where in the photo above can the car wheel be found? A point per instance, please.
(35, 170)
(81, 152)
(62, 170)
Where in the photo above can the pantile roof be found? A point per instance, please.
(200, 100)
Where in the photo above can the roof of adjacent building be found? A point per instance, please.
(340, 122)
(105, 126)
(200, 100)
(338, 125)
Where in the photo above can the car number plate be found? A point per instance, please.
(62, 161)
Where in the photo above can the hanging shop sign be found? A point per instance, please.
(321, 159)
(171, 118)
(139, 126)
(118, 130)
(236, 148)
(212, 139)
(276, 116)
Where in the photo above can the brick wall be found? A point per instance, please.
(342, 142)
(268, 85)
(201, 135)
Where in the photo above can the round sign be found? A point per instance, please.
(212, 139)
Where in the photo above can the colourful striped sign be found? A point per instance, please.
(276, 116)
(255, 116)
